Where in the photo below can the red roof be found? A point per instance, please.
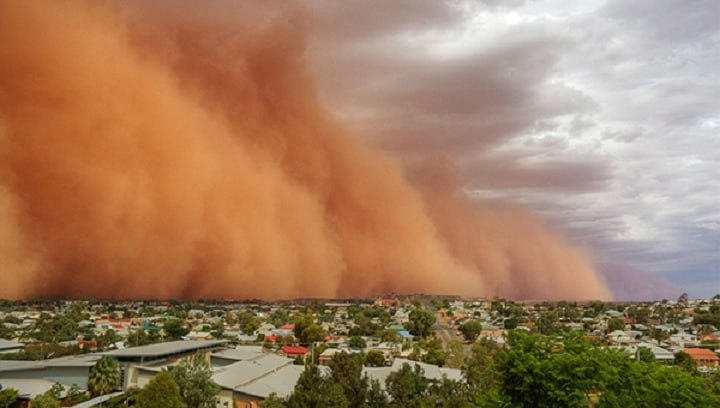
(290, 326)
(294, 350)
(701, 354)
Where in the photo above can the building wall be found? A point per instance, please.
(246, 401)
(225, 399)
(64, 375)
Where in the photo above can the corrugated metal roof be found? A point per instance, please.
(242, 372)
(240, 353)
(164, 349)
(10, 345)
(27, 388)
(281, 382)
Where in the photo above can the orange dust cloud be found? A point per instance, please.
(149, 156)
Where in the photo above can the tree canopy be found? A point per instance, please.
(194, 377)
(471, 330)
(104, 376)
(161, 392)
(420, 322)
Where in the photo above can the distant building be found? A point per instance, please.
(293, 351)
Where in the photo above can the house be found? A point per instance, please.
(661, 355)
(293, 351)
(683, 339)
(706, 359)
(388, 349)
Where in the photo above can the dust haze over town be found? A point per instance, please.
(184, 151)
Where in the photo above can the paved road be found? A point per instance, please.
(444, 330)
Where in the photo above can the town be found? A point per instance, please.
(251, 354)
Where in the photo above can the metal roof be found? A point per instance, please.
(240, 353)
(10, 345)
(166, 349)
(84, 360)
(281, 382)
(242, 372)
(27, 388)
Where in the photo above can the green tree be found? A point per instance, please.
(248, 322)
(407, 387)
(139, 337)
(273, 401)
(420, 322)
(75, 396)
(539, 371)
(279, 317)
(446, 393)
(471, 330)
(108, 338)
(161, 392)
(314, 390)
(645, 354)
(45, 400)
(659, 335)
(377, 398)
(434, 353)
(8, 396)
(194, 377)
(653, 385)
(455, 354)
(390, 336)
(547, 323)
(536, 371)
(510, 323)
(375, 358)
(175, 329)
(480, 369)
(51, 329)
(357, 342)
(104, 376)
(346, 371)
(685, 362)
(306, 330)
(616, 324)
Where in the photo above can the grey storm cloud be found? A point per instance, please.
(601, 116)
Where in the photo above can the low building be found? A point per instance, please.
(430, 371)
(138, 360)
(293, 351)
(706, 359)
(68, 371)
(661, 355)
(233, 377)
(229, 356)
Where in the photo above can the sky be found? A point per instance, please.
(601, 116)
(522, 149)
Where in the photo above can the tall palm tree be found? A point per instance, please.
(104, 376)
